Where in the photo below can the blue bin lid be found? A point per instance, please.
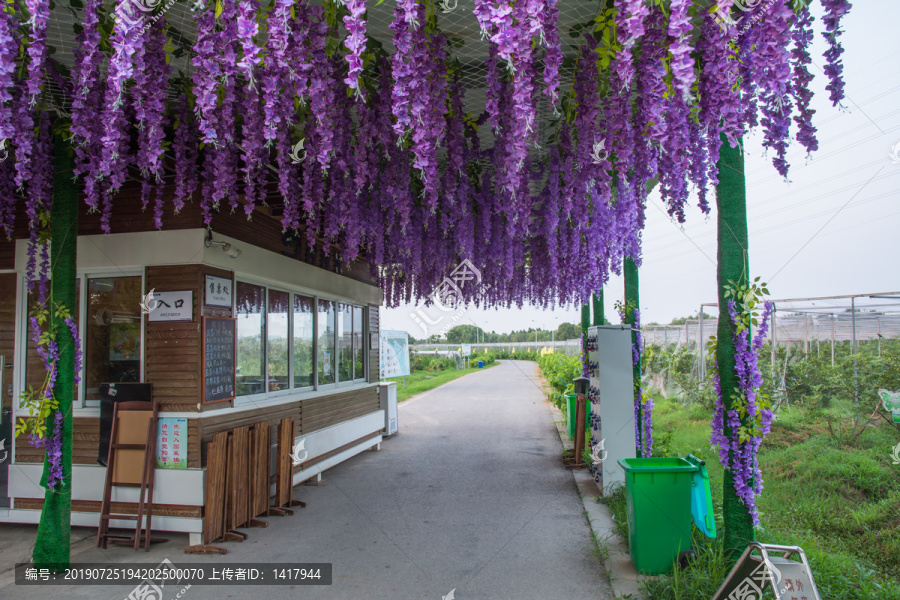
(701, 498)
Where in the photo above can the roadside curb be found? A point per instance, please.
(623, 577)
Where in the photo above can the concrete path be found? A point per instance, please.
(470, 496)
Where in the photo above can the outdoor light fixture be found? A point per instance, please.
(225, 246)
(581, 385)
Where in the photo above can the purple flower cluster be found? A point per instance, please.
(630, 17)
(186, 151)
(151, 77)
(53, 446)
(683, 76)
(247, 30)
(87, 99)
(546, 227)
(355, 43)
(803, 36)
(39, 11)
(737, 452)
(834, 12)
(9, 48)
(73, 329)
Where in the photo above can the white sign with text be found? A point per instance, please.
(172, 306)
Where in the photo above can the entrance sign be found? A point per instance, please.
(773, 568)
(467, 349)
(218, 359)
(217, 291)
(172, 306)
(394, 354)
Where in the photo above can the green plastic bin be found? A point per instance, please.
(658, 501)
(570, 415)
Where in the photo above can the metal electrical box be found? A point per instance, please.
(387, 394)
(612, 401)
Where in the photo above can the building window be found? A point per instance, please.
(277, 340)
(290, 341)
(358, 350)
(325, 340)
(303, 342)
(345, 343)
(250, 310)
(112, 336)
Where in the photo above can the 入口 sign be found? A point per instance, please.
(172, 306)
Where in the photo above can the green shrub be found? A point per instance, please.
(560, 370)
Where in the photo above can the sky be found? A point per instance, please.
(832, 229)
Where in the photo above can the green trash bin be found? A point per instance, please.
(658, 495)
(570, 414)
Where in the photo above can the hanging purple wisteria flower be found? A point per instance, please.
(356, 43)
(834, 12)
(748, 420)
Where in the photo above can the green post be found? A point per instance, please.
(52, 545)
(585, 323)
(632, 302)
(731, 203)
(599, 316)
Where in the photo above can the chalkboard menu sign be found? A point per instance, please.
(218, 359)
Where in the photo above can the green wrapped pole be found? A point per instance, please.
(599, 316)
(585, 323)
(731, 203)
(585, 318)
(51, 549)
(632, 301)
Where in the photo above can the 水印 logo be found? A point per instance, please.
(300, 453)
(148, 304)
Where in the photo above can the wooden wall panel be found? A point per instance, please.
(7, 253)
(86, 441)
(128, 216)
(319, 413)
(172, 361)
(309, 415)
(85, 444)
(7, 319)
(124, 508)
(265, 231)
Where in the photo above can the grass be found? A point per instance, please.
(422, 381)
(838, 500)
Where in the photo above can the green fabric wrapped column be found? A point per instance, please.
(51, 548)
(731, 203)
(599, 316)
(632, 302)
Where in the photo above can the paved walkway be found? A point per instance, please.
(470, 496)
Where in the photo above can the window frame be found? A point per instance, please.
(317, 388)
(253, 398)
(290, 343)
(315, 371)
(80, 401)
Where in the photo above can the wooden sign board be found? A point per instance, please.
(219, 359)
(133, 429)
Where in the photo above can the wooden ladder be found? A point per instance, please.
(132, 454)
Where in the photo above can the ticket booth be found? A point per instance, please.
(230, 326)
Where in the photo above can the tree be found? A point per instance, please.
(567, 331)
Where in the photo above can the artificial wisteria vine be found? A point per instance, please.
(403, 174)
(739, 430)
